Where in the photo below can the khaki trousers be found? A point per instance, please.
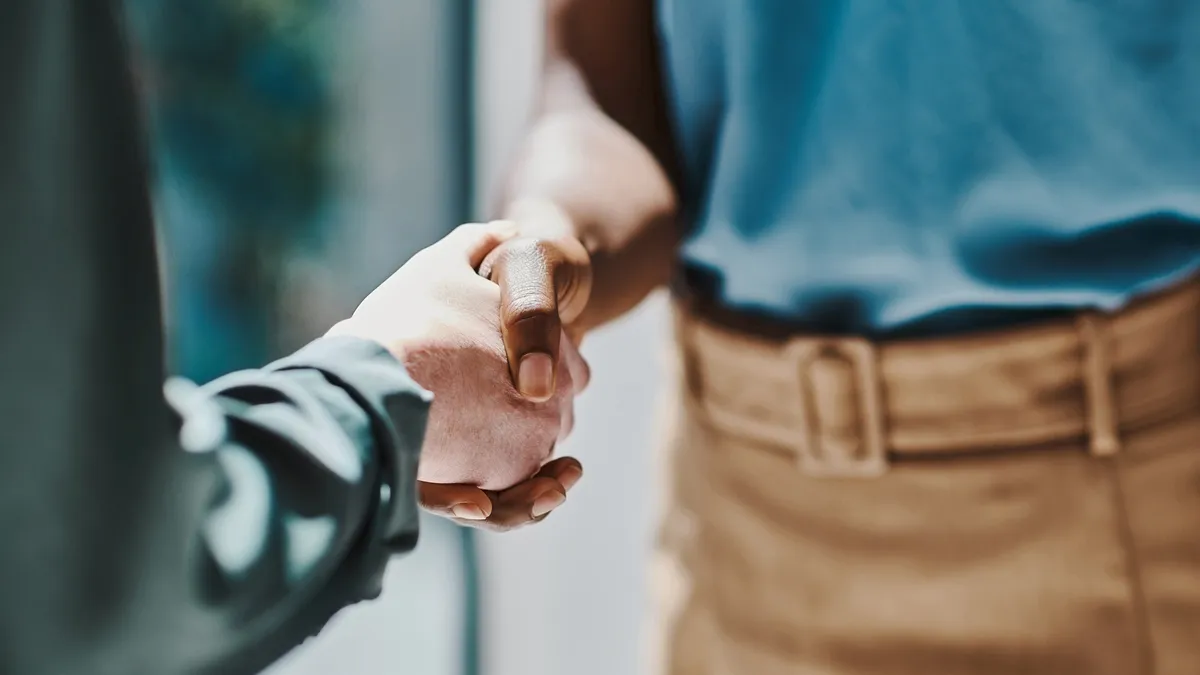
(1019, 503)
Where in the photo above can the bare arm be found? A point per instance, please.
(205, 532)
(591, 188)
(598, 159)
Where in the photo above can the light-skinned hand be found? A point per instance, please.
(485, 457)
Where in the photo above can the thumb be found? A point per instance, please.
(543, 284)
(529, 321)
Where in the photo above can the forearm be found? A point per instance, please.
(597, 161)
(571, 181)
(314, 467)
(124, 547)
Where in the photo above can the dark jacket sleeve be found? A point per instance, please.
(207, 530)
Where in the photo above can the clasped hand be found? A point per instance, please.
(478, 319)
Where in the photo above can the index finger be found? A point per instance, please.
(463, 502)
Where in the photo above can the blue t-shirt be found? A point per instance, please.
(874, 165)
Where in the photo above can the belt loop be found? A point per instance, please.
(688, 358)
(1103, 436)
(840, 414)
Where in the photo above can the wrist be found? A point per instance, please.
(357, 328)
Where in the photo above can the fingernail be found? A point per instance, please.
(569, 477)
(547, 503)
(468, 512)
(535, 376)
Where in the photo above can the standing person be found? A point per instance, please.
(212, 530)
(940, 402)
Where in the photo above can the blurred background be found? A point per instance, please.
(304, 150)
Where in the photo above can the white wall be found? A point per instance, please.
(567, 597)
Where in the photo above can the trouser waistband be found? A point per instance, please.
(845, 406)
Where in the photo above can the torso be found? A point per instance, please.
(872, 167)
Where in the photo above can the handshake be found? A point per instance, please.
(483, 320)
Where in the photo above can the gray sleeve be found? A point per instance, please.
(314, 460)
(209, 534)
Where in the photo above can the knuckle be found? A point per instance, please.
(528, 273)
(531, 248)
(527, 309)
(530, 254)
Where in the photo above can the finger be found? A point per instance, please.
(525, 271)
(526, 502)
(473, 242)
(461, 502)
(581, 373)
(515, 507)
(534, 499)
(566, 470)
(566, 418)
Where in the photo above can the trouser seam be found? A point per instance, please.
(1133, 570)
